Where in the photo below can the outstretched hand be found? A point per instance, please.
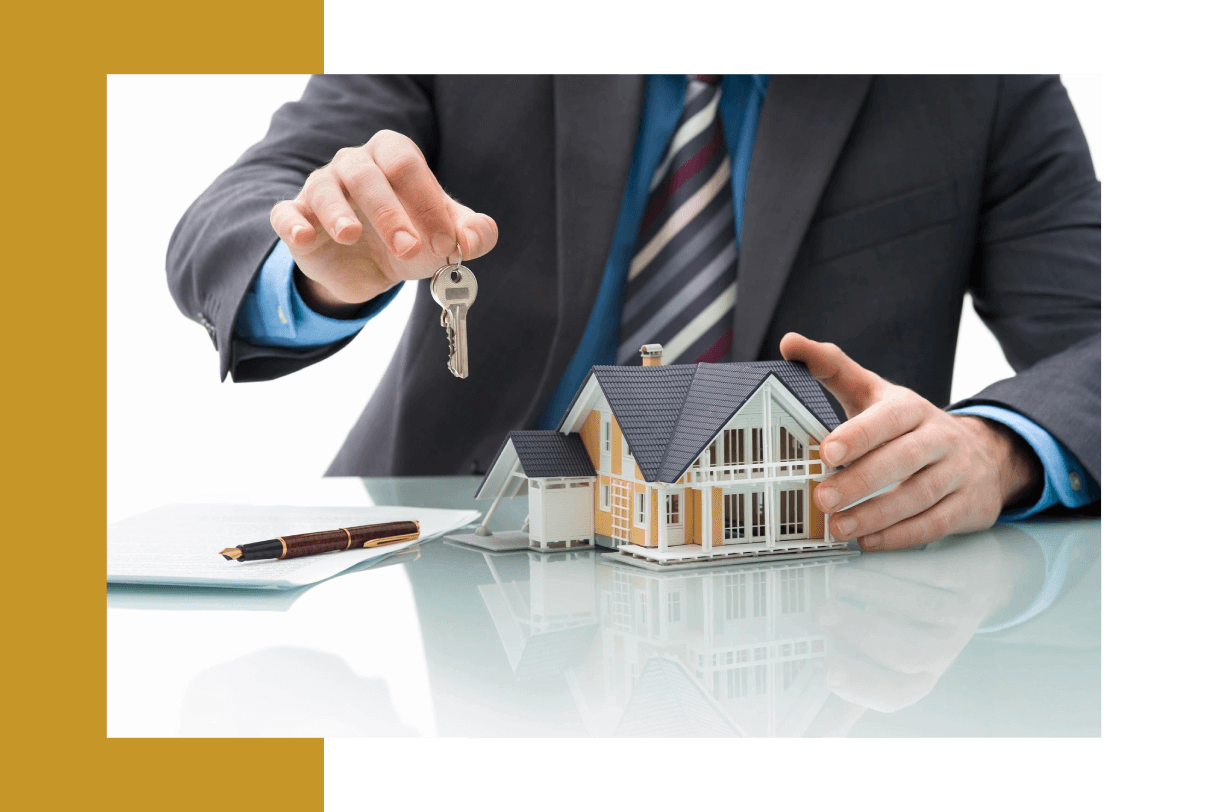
(956, 472)
(372, 218)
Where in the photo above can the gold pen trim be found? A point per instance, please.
(284, 547)
(347, 533)
(382, 542)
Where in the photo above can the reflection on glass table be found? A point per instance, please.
(994, 633)
(990, 634)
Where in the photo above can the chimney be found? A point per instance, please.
(652, 355)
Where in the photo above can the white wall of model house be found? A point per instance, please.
(560, 511)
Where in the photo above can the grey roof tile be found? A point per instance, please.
(551, 454)
(670, 413)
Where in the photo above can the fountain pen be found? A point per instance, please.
(325, 541)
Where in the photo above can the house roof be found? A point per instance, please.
(668, 414)
(541, 454)
(551, 453)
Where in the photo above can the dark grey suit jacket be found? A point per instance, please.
(873, 204)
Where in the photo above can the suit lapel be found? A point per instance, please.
(802, 128)
(596, 122)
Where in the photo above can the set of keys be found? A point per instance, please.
(454, 288)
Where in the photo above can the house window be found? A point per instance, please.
(734, 446)
(641, 508)
(792, 512)
(734, 515)
(624, 446)
(673, 508)
(757, 450)
(674, 607)
(759, 527)
(791, 449)
(605, 495)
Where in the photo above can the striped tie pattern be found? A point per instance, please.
(684, 273)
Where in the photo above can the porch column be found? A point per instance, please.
(767, 431)
(706, 518)
(774, 513)
(826, 536)
(662, 508)
(769, 511)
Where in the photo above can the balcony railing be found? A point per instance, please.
(753, 470)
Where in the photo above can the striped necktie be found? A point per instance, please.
(684, 272)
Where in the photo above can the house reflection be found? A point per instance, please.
(731, 651)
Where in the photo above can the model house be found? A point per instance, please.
(677, 464)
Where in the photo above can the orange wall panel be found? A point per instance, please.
(718, 539)
(692, 533)
(591, 438)
(603, 522)
(638, 533)
(616, 445)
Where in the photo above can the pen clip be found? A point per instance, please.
(382, 542)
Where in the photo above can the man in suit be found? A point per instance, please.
(721, 216)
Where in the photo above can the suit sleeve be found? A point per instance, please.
(225, 236)
(1036, 277)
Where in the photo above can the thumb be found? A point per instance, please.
(854, 386)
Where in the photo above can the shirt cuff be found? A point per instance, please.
(1065, 480)
(273, 313)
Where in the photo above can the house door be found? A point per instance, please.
(792, 514)
(673, 503)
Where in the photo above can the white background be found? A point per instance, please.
(175, 434)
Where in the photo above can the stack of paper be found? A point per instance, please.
(180, 544)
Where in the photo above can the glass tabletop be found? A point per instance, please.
(990, 634)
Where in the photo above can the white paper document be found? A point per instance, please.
(181, 544)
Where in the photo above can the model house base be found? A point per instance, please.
(675, 465)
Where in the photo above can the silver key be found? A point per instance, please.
(454, 288)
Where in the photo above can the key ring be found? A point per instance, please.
(455, 274)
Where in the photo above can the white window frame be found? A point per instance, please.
(642, 514)
(678, 513)
(606, 434)
(605, 494)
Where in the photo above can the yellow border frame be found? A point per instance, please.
(56, 62)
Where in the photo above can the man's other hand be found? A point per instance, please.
(957, 473)
(372, 218)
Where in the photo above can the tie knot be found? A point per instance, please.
(707, 78)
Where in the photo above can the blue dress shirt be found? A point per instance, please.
(273, 313)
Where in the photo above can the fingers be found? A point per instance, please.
(915, 495)
(386, 186)
(323, 195)
(945, 517)
(405, 168)
(854, 386)
(477, 233)
(296, 226)
(890, 463)
(369, 190)
(876, 425)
